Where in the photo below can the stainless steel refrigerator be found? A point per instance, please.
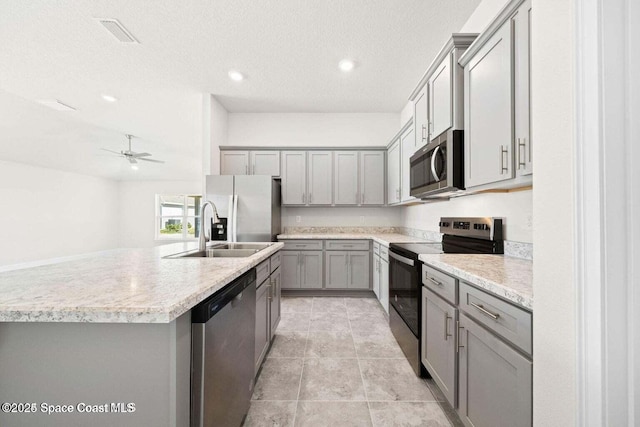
(250, 203)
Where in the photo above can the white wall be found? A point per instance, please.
(342, 217)
(46, 213)
(483, 15)
(516, 207)
(554, 285)
(136, 218)
(312, 129)
(219, 133)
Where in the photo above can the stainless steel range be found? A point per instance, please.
(481, 235)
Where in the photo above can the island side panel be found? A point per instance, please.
(97, 364)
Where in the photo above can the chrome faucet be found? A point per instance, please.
(202, 242)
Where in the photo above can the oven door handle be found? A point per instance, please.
(433, 164)
(402, 259)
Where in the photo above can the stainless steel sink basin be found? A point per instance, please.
(227, 250)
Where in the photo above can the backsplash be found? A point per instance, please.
(343, 230)
(433, 236)
(518, 249)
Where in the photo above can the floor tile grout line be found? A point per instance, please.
(364, 387)
(304, 353)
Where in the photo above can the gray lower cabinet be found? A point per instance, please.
(347, 269)
(495, 381)
(376, 275)
(275, 310)
(301, 269)
(263, 324)
(439, 342)
(384, 284)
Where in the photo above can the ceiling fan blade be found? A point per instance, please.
(119, 153)
(151, 160)
(137, 155)
(132, 160)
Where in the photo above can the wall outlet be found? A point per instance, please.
(298, 218)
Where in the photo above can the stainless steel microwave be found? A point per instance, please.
(437, 169)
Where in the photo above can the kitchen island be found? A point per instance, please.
(106, 339)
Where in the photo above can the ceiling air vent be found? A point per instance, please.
(118, 31)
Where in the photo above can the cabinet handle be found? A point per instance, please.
(459, 346)
(446, 326)
(485, 311)
(301, 246)
(522, 154)
(304, 198)
(424, 129)
(434, 281)
(269, 296)
(504, 150)
(310, 197)
(347, 246)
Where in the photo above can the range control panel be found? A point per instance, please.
(487, 228)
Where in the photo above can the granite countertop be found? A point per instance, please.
(119, 286)
(507, 277)
(382, 238)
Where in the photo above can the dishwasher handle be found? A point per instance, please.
(228, 294)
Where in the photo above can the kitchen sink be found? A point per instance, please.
(226, 250)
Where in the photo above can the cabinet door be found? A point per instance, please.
(234, 163)
(407, 142)
(440, 93)
(336, 269)
(524, 148)
(438, 343)
(274, 313)
(294, 177)
(263, 324)
(345, 188)
(320, 177)
(495, 387)
(384, 284)
(290, 269)
(311, 269)
(489, 112)
(376, 275)
(372, 178)
(421, 119)
(265, 163)
(393, 173)
(359, 270)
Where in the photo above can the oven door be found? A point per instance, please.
(404, 289)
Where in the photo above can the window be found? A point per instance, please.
(177, 217)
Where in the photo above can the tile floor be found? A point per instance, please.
(334, 362)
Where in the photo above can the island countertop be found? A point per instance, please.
(119, 286)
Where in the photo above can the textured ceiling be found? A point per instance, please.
(288, 49)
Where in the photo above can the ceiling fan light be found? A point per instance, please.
(134, 166)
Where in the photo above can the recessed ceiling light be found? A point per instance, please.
(236, 76)
(109, 98)
(346, 65)
(56, 105)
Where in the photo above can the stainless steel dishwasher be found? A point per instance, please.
(222, 352)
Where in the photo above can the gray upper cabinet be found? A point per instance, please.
(393, 173)
(439, 342)
(495, 381)
(372, 182)
(524, 148)
(264, 163)
(498, 146)
(407, 144)
(320, 179)
(440, 91)
(234, 163)
(240, 162)
(420, 119)
(294, 177)
(346, 191)
(489, 111)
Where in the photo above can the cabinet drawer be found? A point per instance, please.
(440, 283)
(384, 253)
(262, 272)
(347, 245)
(275, 261)
(376, 248)
(505, 319)
(303, 245)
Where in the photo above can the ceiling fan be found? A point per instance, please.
(132, 156)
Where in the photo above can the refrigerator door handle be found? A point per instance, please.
(235, 218)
